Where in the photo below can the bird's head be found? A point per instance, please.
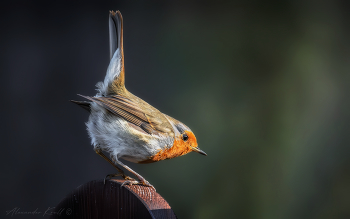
(187, 141)
(184, 142)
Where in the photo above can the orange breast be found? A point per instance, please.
(179, 148)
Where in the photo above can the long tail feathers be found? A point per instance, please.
(114, 80)
(115, 33)
(115, 76)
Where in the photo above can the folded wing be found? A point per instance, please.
(131, 112)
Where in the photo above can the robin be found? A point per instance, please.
(127, 127)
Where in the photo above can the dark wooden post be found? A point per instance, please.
(98, 200)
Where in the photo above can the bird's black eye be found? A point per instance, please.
(184, 137)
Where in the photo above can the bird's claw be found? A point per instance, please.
(135, 182)
(109, 176)
(128, 178)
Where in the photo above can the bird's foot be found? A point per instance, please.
(136, 182)
(110, 176)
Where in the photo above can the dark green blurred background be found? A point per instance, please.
(263, 85)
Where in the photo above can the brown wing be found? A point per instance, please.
(149, 119)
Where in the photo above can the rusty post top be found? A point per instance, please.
(98, 200)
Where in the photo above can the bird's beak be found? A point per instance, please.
(196, 149)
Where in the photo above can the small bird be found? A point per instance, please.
(127, 127)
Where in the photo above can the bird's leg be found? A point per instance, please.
(132, 181)
(121, 172)
(129, 180)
